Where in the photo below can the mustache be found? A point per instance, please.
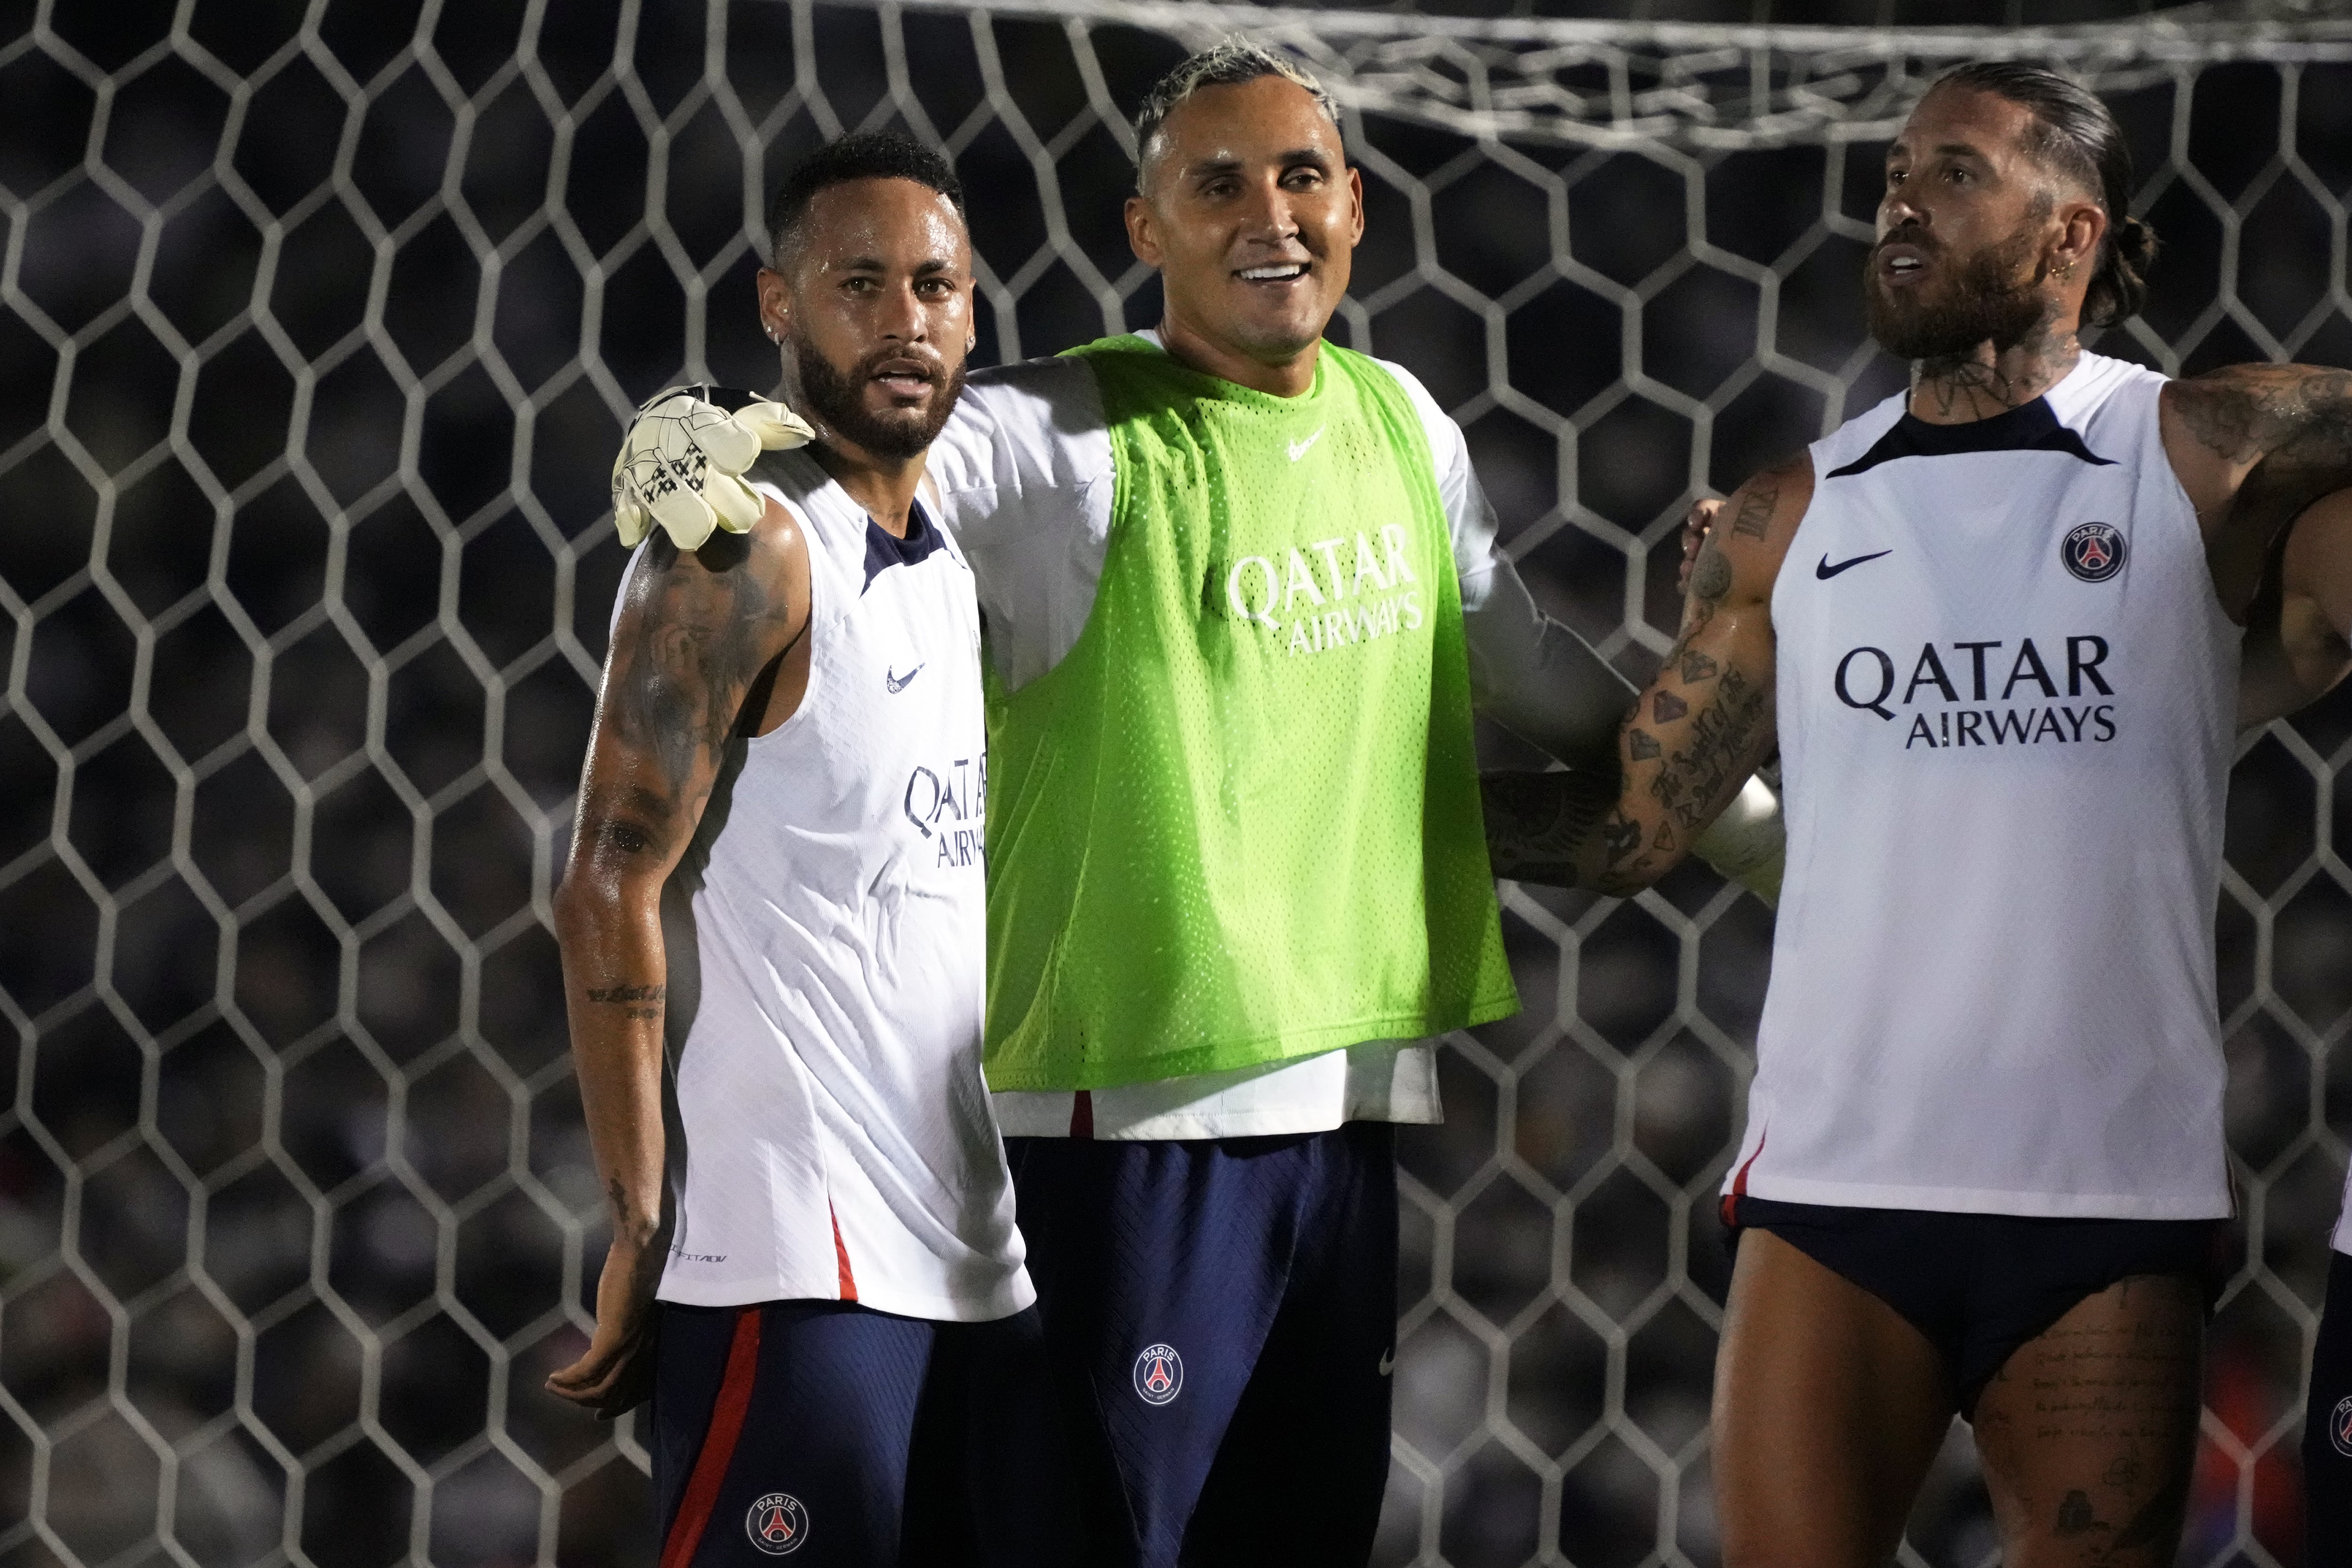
(926, 367)
(1912, 235)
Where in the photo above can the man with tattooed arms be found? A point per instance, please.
(777, 870)
(1993, 626)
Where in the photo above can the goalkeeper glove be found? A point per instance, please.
(682, 463)
(1749, 842)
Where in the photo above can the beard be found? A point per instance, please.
(838, 399)
(1984, 301)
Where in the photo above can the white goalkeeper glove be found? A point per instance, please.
(1748, 844)
(682, 463)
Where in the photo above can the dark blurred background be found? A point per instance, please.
(319, 324)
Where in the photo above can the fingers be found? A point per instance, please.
(729, 443)
(1695, 523)
(686, 517)
(777, 426)
(736, 505)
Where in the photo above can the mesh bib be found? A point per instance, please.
(1239, 823)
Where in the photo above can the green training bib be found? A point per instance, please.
(1239, 824)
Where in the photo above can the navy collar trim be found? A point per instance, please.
(2031, 427)
(885, 550)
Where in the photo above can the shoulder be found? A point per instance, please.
(2241, 412)
(1859, 433)
(1037, 421)
(1447, 449)
(1760, 520)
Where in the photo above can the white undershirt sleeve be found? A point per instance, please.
(1527, 672)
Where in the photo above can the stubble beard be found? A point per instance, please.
(838, 399)
(1986, 300)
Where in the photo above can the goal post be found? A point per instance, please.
(319, 325)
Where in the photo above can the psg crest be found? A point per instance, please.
(2093, 550)
(1159, 1374)
(2339, 1426)
(777, 1524)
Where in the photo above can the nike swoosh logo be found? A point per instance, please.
(1388, 1361)
(1300, 449)
(897, 683)
(1825, 571)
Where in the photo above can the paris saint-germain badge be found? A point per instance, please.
(2339, 1426)
(777, 1524)
(2093, 550)
(1159, 1374)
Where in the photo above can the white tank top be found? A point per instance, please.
(827, 939)
(2006, 692)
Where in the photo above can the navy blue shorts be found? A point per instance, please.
(830, 1434)
(1221, 1316)
(2327, 1425)
(1980, 1285)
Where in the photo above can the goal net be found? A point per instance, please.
(318, 326)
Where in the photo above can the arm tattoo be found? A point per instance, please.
(2250, 411)
(699, 640)
(2292, 423)
(1755, 517)
(1692, 777)
(643, 1002)
(1538, 823)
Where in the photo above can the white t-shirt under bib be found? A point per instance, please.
(2006, 693)
(827, 936)
(1025, 471)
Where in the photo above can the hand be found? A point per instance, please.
(682, 461)
(1694, 526)
(616, 1374)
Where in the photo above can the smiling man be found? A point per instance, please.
(1994, 626)
(1242, 594)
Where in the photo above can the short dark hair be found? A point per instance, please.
(2076, 135)
(867, 156)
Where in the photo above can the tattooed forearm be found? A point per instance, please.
(1713, 756)
(634, 1001)
(1540, 825)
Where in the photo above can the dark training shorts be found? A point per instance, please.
(826, 1434)
(2328, 1424)
(1980, 1285)
(1220, 1314)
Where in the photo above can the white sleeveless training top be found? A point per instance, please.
(2006, 695)
(827, 940)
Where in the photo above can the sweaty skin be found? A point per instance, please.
(709, 648)
(1829, 1405)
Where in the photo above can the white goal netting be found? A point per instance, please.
(318, 324)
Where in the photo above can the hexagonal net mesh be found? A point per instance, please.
(318, 324)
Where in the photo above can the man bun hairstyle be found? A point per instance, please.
(867, 156)
(1227, 63)
(2076, 135)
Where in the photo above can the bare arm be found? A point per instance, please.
(2296, 638)
(699, 637)
(1694, 735)
(2255, 446)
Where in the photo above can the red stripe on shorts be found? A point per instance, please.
(1739, 1183)
(847, 1280)
(726, 1413)
(1082, 1114)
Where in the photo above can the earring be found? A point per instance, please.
(2065, 272)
